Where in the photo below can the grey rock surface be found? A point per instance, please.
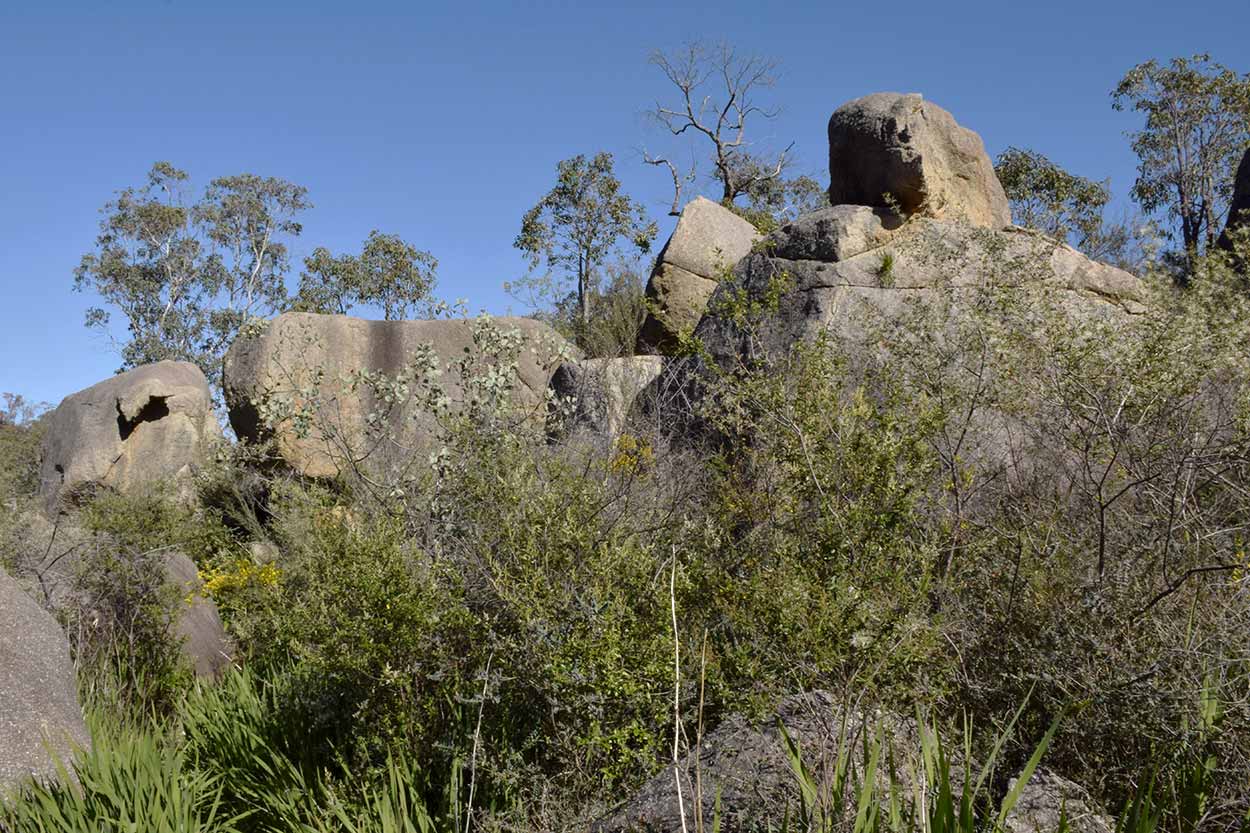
(39, 709)
(925, 261)
(150, 425)
(902, 145)
(197, 623)
(602, 394)
(1046, 799)
(306, 361)
(708, 241)
(746, 764)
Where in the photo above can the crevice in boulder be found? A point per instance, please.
(156, 408)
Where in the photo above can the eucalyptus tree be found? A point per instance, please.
(579, 224)
(186, 275)
(1197, 126)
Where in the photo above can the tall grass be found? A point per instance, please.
(231, 761)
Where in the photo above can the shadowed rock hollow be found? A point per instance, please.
(146, 426)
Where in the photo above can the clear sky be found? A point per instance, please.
(444, 122)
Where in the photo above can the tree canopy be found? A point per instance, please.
(579, 223)
(1197, 125)
(187, 275)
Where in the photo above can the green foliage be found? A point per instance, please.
(577, 225)
(186, 276)
(134, 779)
(1197, 126)
(617, 309)
(21, 433)
(1065, 206)
(119, 604)
(388, 273)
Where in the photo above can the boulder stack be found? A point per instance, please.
(707, 243)
(150, 425)
(895, 149)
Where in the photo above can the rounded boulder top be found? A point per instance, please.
(899, 150)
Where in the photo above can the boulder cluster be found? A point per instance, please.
(916, 210)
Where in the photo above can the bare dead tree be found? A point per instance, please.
(679, 179)
(718, 87)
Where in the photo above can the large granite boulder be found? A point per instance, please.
(914, 151)
(299, 383)
(599, 396)
(150, 425)
(708, 241)
(1239, 208)
(39, 709)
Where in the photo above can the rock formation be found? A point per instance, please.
(146, 426)
(707, 242)
(51, 555)
(1239, 208)
(746, 768)
(925, 260)
(197, 624)
(307, 365)
(39, 708)
(603, 392)
(912, 150)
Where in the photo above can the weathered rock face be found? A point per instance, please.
(38, 692)
(708, 241)
(926, 260)
(197, 623)
(1239, 209)
(913, 150)
(146, 426)
(306, 361)
(1048, 797)
(603, 392)
(746, 765)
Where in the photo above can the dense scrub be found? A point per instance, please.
(1005, 508)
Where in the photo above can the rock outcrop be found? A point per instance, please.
(601, 394)
(914, 151)
(307, 365)
(197, 623)
(1239, 208)
(745, 766)
(144, 427)
(924, 261)
(708, 241)
(1046, 799)
(39, 709)
(54, 556)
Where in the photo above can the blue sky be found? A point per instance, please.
(444, 122)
